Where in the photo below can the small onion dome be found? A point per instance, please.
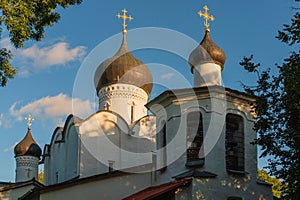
(124, 68)
(207, 52)
(28, 147)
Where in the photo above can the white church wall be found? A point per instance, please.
(225, 184)
(72, 153)
(96, 146)
(184, 193)
(230, 184)
(176, 141)
(57, 160)
(89, 165)
(145, 128)
(234, 106)
(114, 187)
(106, 140)
(61, 162)
(159, 150)
(135, 151)
(46, 165)
(223, 187)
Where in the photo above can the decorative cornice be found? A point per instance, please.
(188, 94)
(122, 91)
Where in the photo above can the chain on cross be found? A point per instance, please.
(124, 17)
(207, 17)
(29, 120)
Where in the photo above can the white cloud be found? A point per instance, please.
(5, 43)
(55, 108)
(56, 54)
(38, 58)
(11, 148)
(167, 76)
(4, 122)
(23, 72)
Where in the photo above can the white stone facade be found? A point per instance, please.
(106, 142)
(61, 156)
(84, 148)
(106, 139)
(112, 188)
(213, 104)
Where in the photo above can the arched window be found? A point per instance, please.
(56, 177)
(194, 140)
(111, 165)
(163, 144)
(107, 106)
(234, 144)
(132, 111)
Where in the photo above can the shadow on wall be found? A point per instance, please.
(238, 186)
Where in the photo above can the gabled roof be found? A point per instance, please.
(155, 191)
(11, 186)
(5, 184)
(196, 174)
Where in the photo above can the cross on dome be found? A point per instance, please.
(29, 120)
(207, 52)
(207, 17)
(123, 67)
(124, 17)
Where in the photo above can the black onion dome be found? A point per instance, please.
(207, 52)
(123, 67)
(28, 147)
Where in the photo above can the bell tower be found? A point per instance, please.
(27, 155)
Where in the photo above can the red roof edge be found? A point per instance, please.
(155, 191)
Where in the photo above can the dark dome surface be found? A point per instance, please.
(123, 67)
(207, 52)
(28, 147)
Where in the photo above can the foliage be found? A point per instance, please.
(26, 20)
(41, 177)
(277, 185)
(6, 71)
(278, 112)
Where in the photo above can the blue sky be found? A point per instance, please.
(48, 76)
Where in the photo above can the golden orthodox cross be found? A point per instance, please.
(207, 17)
(29, 120)
(124, 17)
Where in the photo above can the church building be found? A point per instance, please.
(195, 144)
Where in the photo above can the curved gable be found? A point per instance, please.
(145, 127)
(103, 122)
(61, 155)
